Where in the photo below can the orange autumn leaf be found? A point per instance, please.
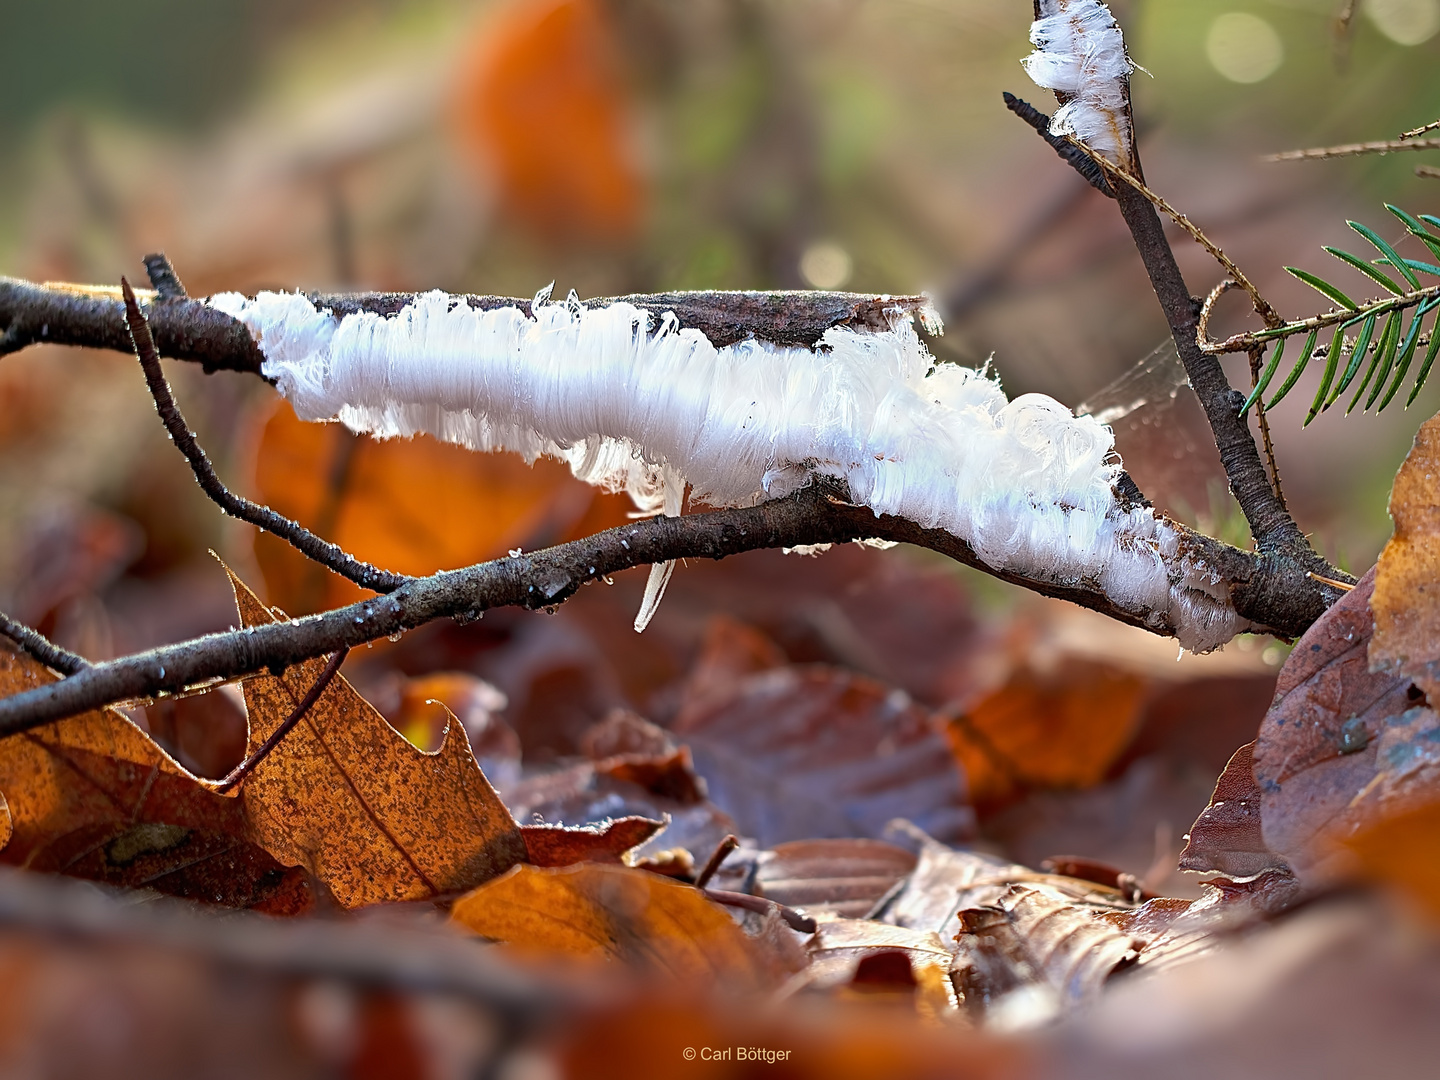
(413, 506)
(1406, 602)
(347, 797)
(614, 913)
(543, 103)
(1062, 730)
(1403, 850)
(94, 796)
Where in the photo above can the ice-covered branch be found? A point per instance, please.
(744, 396)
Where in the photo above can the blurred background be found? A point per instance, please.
(616, 146)
(630, 146)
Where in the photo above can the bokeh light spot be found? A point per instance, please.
(1244, 48)
(1406, 22)
(825, 265)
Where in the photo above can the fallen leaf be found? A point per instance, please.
(1342, 745)
(622, 731)
(615, 913)
(93, 796)
(543, 103)
(841, 946)
(412, 506)
(1059, 730)
(671, 776)
(1403, 850)
(845, 877)
(1227, 837)
(944, 883)
(347, 797)
(563, 845)
(806, 752)
(1406, 601)
(1031, 940)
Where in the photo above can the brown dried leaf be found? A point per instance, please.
(1032, 938)
(1403, 850)
(615, 913)
(1342, 746)
(803, 752)
(841, 946)
(1058, 730)
(1227, 836)
(846, 877)
(347, 797)
(1406, 602)
(563, 845)
(93, 796)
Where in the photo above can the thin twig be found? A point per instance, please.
(1263, 307)
(1257, 355)
(717, 857)
(1324, 153)
(1269, 590)
(299, 537)
(42, 648)
(1076, 158)
(246, 767)
(163, 279)
(1245, 342)
(1414, 132)
(760, 905)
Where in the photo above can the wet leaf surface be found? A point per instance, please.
(845, 877)
(1227, 837)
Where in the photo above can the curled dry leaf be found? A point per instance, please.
(413, 506)
(562, 845)
(347, 797)
(1342, 745)
(1227, 837)
(95, 797)
(804, 752)
(1058, 730)
(615, 913)
(1406, 602)
(1037, 941)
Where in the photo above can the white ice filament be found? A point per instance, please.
(648, 408)
(1080, 53)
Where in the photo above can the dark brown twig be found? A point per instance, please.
(299, 537)
(163, 278)
(717, 857)
(237, 775)
(1262, 417)
(760, 905)
(1071, 154)
(1271, 591)
(42, 648)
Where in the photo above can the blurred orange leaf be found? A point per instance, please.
(615, 913)
(1406, 603)
(94, 797)
(413, 506)
(347, 797)
(544, 103)
(1404, 850)
(1060, 730)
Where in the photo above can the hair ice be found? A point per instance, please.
(1080, 54)
(647, 407)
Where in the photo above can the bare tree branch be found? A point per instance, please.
(41, 648)
(1266, 588)
(302, 539)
